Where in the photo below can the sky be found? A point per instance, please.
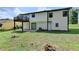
(10, 12)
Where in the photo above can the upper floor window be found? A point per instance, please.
(33, 15)
(50, 15)
(65, 13)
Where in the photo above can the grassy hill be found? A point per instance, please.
(8, 25)
(35, 41)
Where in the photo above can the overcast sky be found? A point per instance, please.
(10, 12)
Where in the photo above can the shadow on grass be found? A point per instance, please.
(18, 31)
(71, 31)
(5, 30)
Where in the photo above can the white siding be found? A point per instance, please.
(41, 21)
(26, 25)
(39, 17)
(43, 25)
(58, 18)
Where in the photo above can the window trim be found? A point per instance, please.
(33, 15)
(65, 13)
(50, 15)
(56, 24)
(32, 25)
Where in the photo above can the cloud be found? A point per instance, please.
(9, 12)
(6, 12)
(18, 11)
(42, 8)
(5, 15)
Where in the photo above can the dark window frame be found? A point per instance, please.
(33, 15)
(32, 24)
(50, 15)
(56, 24)
(65, 13)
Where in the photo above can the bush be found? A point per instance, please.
(0, 25)
(74, 17)
(40, 29)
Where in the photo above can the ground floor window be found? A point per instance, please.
(33, 26)
(57, 24)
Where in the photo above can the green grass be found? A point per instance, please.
(66, 41)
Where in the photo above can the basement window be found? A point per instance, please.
(50, 15)
(33, 15)
(65, 13)
(57, 24)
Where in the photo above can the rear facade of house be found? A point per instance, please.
(48, 20)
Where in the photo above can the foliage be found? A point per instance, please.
(74, 17)
(8, 25)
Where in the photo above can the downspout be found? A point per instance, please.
(68, 21)
(29, 25)
(47, 21)
(22, 26)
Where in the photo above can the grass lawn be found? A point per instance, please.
(66, 41)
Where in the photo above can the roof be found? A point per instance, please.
(48, 10)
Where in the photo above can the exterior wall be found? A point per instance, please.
(58, 18)
(41, 21)
(25, 25)
(39, 17)
(42, 25)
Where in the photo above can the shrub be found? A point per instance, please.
(74, 17)
(0, 25)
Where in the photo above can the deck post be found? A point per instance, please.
(14, 24)
(22, 26)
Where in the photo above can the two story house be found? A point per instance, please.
(57, 19)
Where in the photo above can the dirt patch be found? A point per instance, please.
(49, 47)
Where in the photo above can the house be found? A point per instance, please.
(57, 19)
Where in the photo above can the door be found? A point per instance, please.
(33, 26)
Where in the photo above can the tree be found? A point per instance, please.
(74, 17)
(0, 25)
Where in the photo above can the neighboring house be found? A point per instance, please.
(57, 19)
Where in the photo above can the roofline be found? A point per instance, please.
(68, 8)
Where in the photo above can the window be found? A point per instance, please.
(57, 24)
(65, 13)
(33, 15)
(33, 26)
(50, 15)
